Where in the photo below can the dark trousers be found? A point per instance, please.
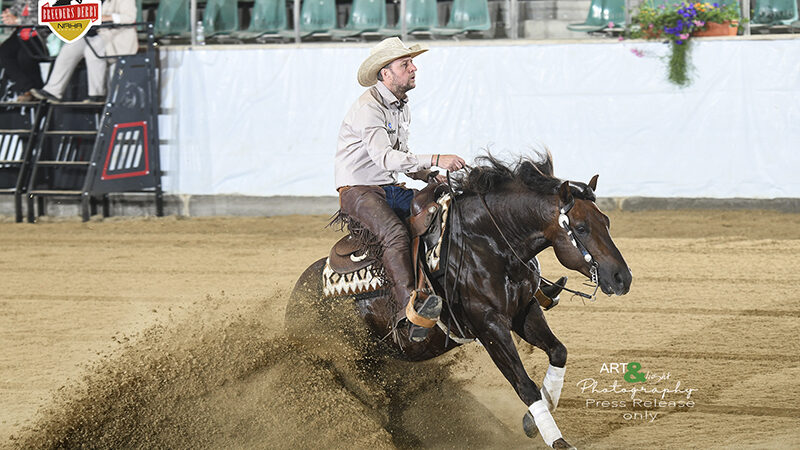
(374, 207)
(16, 57)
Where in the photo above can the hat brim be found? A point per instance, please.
(368, 72)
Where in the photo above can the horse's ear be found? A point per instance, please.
(565, 193)
(593, 182)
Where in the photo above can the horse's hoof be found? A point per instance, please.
(561, 443)
(529, 425)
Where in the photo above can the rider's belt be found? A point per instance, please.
(341, 189)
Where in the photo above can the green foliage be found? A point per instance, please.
(676, 23)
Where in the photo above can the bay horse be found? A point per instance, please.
(502, 216)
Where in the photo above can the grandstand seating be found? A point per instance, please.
(768, 13)
(467, 15)
(317, 17)
(172, 19)
(268, 20)
(221, 17)
(365, 16)
(421, 17)
(601, 12)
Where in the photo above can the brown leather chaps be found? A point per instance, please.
(367, 205)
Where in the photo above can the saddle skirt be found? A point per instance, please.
(351, 270)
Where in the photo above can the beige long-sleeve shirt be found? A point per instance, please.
(373, 141)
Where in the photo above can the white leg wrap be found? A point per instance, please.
(544, 422)
(551, 386)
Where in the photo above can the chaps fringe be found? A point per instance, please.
(366, 239)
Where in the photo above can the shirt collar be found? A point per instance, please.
(389, 98)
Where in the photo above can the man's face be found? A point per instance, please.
(399, 77)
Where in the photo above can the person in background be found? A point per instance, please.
(17, 53)
(105, 42)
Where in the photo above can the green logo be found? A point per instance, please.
(632, 374)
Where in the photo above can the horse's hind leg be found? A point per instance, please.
(533, 328)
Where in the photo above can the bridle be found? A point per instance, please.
(563, 220)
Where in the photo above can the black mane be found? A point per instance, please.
(490, 174)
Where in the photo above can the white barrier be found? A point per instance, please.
(263, 120)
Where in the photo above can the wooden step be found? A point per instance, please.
(15, 131)
(17, 104)
(62, 163)
(78, 104)
(51, 192)
(82, 133)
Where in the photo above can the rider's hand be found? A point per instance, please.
(8, 18)
(448, 162)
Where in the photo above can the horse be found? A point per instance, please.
(500, 218)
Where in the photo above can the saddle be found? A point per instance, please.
(350, 267)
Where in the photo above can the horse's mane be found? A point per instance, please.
(489, 174)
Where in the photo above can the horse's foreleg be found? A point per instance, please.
(495, 335)
(533, 329)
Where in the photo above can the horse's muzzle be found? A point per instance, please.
(617, 282)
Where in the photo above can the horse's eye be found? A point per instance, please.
(582, 229)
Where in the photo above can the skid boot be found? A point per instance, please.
(547, 296)
(422, 312)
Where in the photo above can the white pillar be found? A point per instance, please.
(403, 24)
(296, 15)
(193, 20)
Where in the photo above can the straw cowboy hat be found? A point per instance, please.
(385, 52)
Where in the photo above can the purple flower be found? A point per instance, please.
(699, 23)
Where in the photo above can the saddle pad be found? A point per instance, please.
(341, 284)
(363, 280)
(433, 254)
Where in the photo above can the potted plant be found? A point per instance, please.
(677, 23)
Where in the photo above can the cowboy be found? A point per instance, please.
(372, 149)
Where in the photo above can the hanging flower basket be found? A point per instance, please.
(728, 28)
(678, 23)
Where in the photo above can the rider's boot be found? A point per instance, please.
(547, 296)
(422, 312)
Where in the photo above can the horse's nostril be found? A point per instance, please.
(618, 279)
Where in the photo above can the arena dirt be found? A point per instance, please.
(168, 333)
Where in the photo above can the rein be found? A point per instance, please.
(563, 220)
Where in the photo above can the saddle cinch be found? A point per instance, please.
(351, 270)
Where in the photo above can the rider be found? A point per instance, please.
(372, 149)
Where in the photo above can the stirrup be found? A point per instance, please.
(547, 296)
(424, 317)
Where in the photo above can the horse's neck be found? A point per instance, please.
(515, 223)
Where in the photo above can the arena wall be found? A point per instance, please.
(262, 121)
(251, 130)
